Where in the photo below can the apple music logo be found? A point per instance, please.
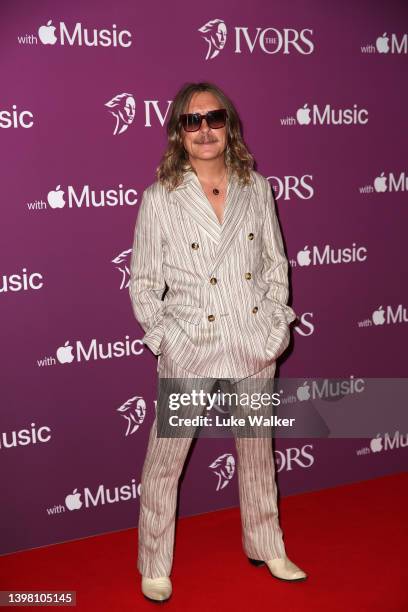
(329, 255)
(16, 118)
(94, 350)
(387, 44)
(384, 442)
(325, 388)
(382, 44)
(386, 316)
(88, 197)
(391, 182)
(330, 116)
(103, 495)
(23, 281)
(386, 183)
(25, 437)
(80, 36)
(79, 352)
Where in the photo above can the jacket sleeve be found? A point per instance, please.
(275, 263)
(147, 284)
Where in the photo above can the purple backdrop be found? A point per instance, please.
(83, 125)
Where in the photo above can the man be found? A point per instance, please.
(207, 229)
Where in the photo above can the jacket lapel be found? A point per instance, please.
(236, 208)
(191, 196)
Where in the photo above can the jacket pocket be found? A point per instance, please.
(280, 316)
(191, 314)
(278, 340)
(154, 336)
(272, 308)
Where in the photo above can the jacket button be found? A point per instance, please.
(213, 280)
(248, 275)
(195, 245)
(211, 318)
(251, 236)
(255, 309)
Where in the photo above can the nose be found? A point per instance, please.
(206, 127)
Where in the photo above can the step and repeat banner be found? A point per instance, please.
(87, 88)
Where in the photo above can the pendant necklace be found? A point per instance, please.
(215, 190)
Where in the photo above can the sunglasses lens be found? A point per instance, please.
(190, 122)
(217, 118)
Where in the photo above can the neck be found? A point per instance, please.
(210, 171)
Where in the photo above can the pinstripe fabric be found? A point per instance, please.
(179, 241)
(261, 533)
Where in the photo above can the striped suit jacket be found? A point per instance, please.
(225, 312)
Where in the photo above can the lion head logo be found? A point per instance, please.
(123, 108)
(224, 468)
(134, 411)
(215, 33)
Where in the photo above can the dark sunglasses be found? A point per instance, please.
(216, 119)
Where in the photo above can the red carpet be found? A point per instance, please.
(352, 540)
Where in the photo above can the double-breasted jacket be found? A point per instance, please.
(225, 312)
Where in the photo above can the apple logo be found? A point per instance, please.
(378, 316)
(380, 183)
(382, 43)
(56, 198)
(46, 34)
(303, 115)
(303, 392)
(73, 501)
(303, 257)
(64, 353)
(376, 444)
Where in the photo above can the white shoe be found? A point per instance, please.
(157, 589)
(282, 568)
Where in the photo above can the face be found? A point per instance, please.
(129, 110)
(206, 143)
(221, 36)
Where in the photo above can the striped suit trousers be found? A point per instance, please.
(262, 536)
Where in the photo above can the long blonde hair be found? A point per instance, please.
(175, 159)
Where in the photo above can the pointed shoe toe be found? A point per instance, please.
(156, 589)
(282, 568)
(285, 569)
